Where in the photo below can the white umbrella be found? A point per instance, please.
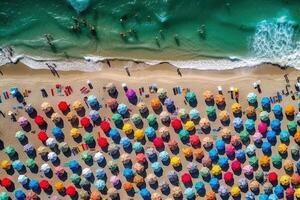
(51, 142)
(45, 168)
(98, 157)
(87, 172)
(22, 179)
(52, 156)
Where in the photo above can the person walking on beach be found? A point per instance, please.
(179, 72)
(127, 71)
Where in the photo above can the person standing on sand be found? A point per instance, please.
(179, 72)
(127, 71)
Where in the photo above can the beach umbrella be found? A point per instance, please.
(295, 150)
(150, 133)
(264, 161)
(265, 102)
(151, 179)
(51, 142)
(34, 184)
(94, 115)
(105, 126)
(184, 135)
(189, 125)
(282, 148)
(289, 193)
(29, 109)
(236, 165)
(230, 150)
(151, 119)
(151, 153)
(117, 119)
(183, 115)
(75, 178)
(276, 160)
(257, 137)
(139, 134)
(277, 110)
(176, 192)
(55, 118)
(244, 136)
(142, 108)
(194, 114)
(122, 109)
(169, 103)
(64, 147)
(45, 168)
(298, 117)
(111, 89)
(18, 165)
(297, 193)
(72, 117)
(187, 152)
(95, 195)
(200, 187)
(237, 122)
(4, 196)
(85, 122)
(254, 186)
(127, 128)
(6, 164)
(164, 156)
(236, 108)
(223, 162)
(39, 120)
(162, 93)
(20, 195)
(23, 179)
(42, 136)
(289, 110)
(63, 106)
(243, 183)
(88, 138)
(77, 105)
(284, 180)
(278, 191)
(131, 94)
(235, 191)
(86, 156)
(208, 96)
(253, 161)
(189, 193)
(31, 196)
(42, 151)
(101, 174)
(204, 123)
(262, 127)
(155, 103)
(175, 161)
(220, 99)
(271, 136)
(113, 165)
(213, 154)
(128, 174)
(59, 186)
(176, 124)
(125, 142)
(71, 191)
(44, 184)
(216, 170)
(59, 170)
(156, 167)
(6, 183)
(223, 191)
(84, 195)
(292, 127)
(250, 150)
(266, 148)
(206, 161)
(164, 117)
(284, 136)
(224, 116)
(112, 103)
(210, 111)
(172, 176)
(235, 140)
(240, 155)
(136, 119)
(114, 134)
(138, 180)
(23, 121)
(207, 142)
(288, 166)
(46, 107)
(194, 140)
(140, 158)
(204, 172)
(250, 112)
(138, 147)
(112, 193)
(226, 133)
(73, 165)
(87, 173)
(173, 145)
(113, 149)
(20, 135)
(264, 116)
(92, 101)
(10, 151)
(156, 196)
(214, 183)
(145, 194)
(164, 133)
(252, 98)
(57, 132)
(250, 125)
(295, 180)
(158, 142)
(190, 97)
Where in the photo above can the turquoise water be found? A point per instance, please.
(152, 29)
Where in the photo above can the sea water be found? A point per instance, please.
(202, 34)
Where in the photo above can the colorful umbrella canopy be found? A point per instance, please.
(10, 151)
(150, 133)
(34, 185)
(136, 119)
(112, 103)
(265, 102)
(5, 164)
(77, 105)
(162, 93)
(4, 196)
(191, 97)
(39, 120)
(51, 142)
(71, 191)
(56, 118)
(151, 118)
(92, 101)
(63, 106)
(252, 98)
(23, 121)
(127, 128)
(204, 123)
(29, 109)
(20, 135)
(85, 122)
(176, 124)
(219, 99)
(208, 96)
(142, 107)
(194, 114)
(210, 111)
(277, 110)
(46, 107)
(72, 117)
(105, 126)
(289, 110)
(18, 165)
(122, 109)
(94, 115)
(155, 103)
(131, 94)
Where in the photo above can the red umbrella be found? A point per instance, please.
(158, 142)
(42, 136)
(85, 122)
(140, 158)
(228, 177)
(194, 140)
(236, 165)
(71, 191)
(6, 182)
(63, 106)
(105, 126)
(176, 124)
(44, 184)
(186, 178)
(102, 142)
(273, 178)
(39, 120)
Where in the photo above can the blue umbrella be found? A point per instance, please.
(271, 136)
(277, 110)
(263, 197)
(284, 136)
(34, 185)
(298, 167)
(214, 183)
(100, 185)
(125, 142)
(194, 114)
(220, 145)
(237, 122)
(273, 197)
(94, 115)
(250, 124)
(29, 109)
(164, 156)
(213, 154)
(169, 102)
(57, 132)
(250, 196)
(279, 191)
(156, 167)
(276, 125)
(114, 134)
(138, 147)
(145, 193)
(20, 195)
(23, 179)
(189, 193)
(100, 174)
(265, 102)
(200, 187)
(18, 165)
(73, 165)
(266, 148)
(223, 162)
(240, 155)
(29, 148)
(128, 173)
(150, 133)
(92, 101)
(151, 153)
(172, 176)
(122, 109)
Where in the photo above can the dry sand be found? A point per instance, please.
(163, 75)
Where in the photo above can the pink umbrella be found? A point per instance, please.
(229, 150)
(59, 170)
(141, 158)
(114, 180)
(262, 127)
(23, 122)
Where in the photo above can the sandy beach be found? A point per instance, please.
(163, 75)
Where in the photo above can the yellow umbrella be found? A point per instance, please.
(224, 116)
(5, 164)
(235, 191)
(74, 132)
(187, 151)
(289, 110)
(139, 134)
(77, 105)
(71, 116)
(127, 128)
(189, 125)
(284, 180)
(208, 96)
(175, 161)
(59, 186)
(216, 170)
(236, 108)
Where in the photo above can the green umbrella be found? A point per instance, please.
(84, 183)
(276, 159)
(184, 135)
(204, 172)
(191, 97)
(151, 119)
(182, 114)
(264, 116)
(210, 111)
(30, 163)
(4, 196)
(292, 127)
(117, 118)
(75, 178)
(88, 138)
(20, 135)
(253, 161)
(112, 165)
(244, 135)
(259, 175)
(136, 119)
(86, 156)
(10, 151)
